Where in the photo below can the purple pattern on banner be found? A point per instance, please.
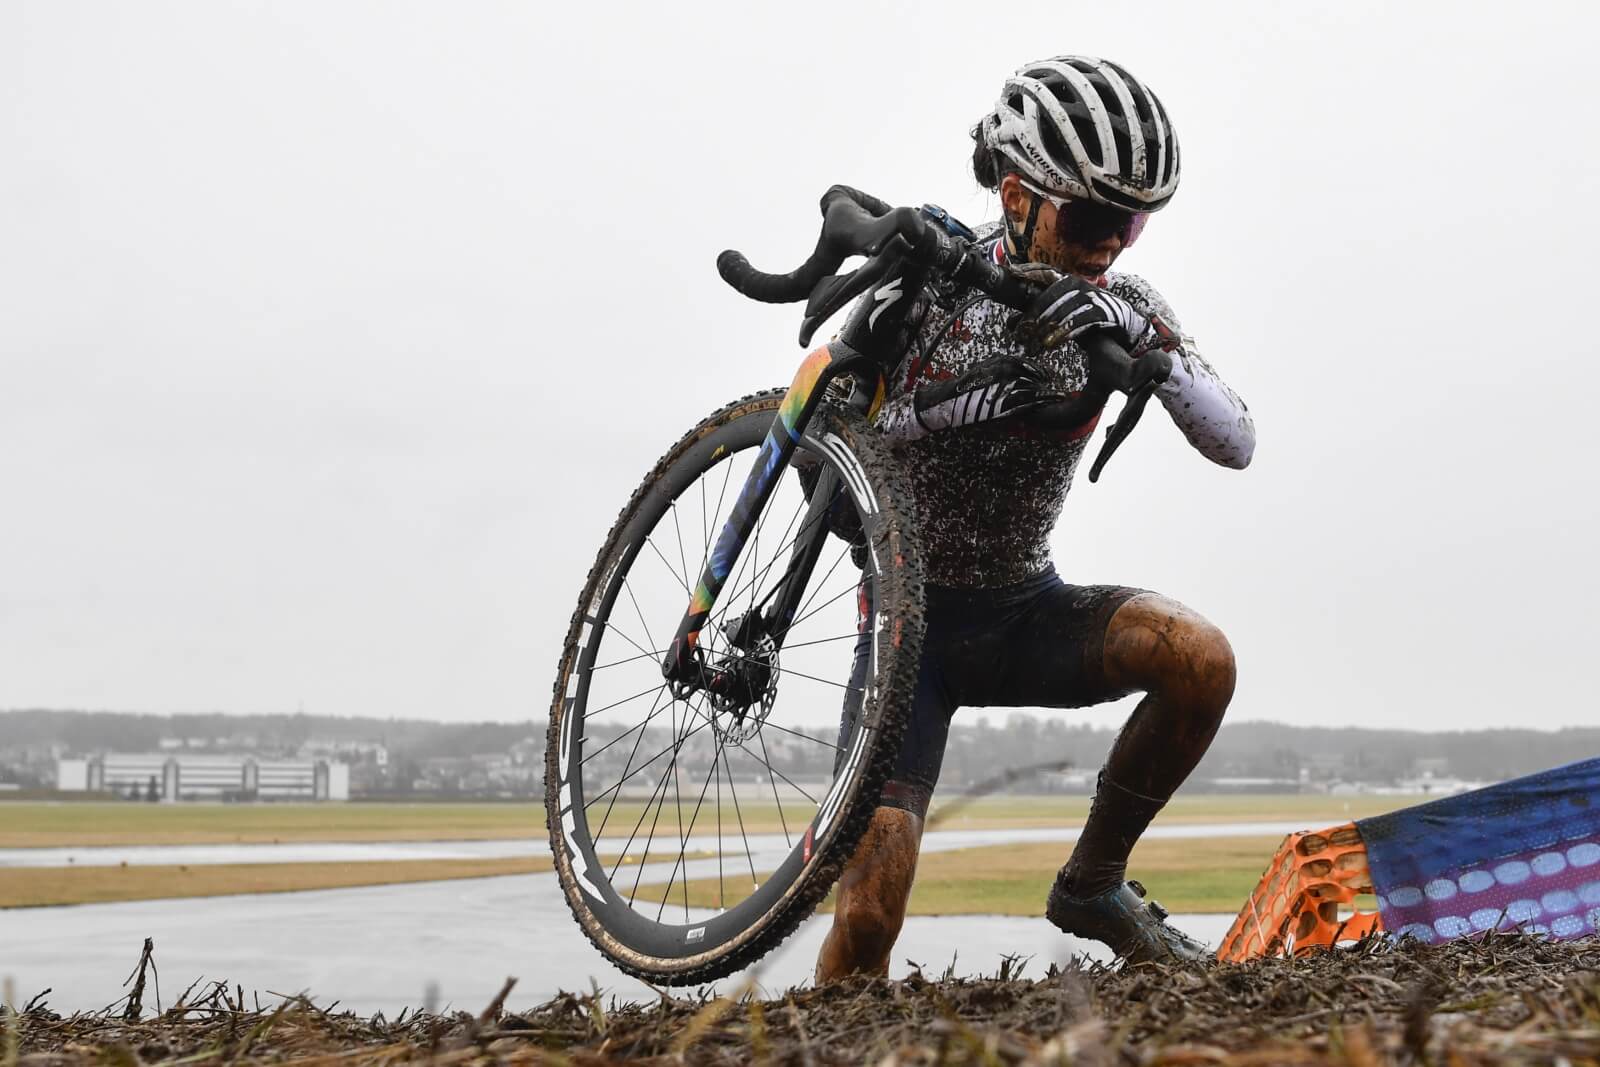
(1554, 891)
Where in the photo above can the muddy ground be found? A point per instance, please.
(1508, 1000)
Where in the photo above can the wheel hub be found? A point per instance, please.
(745, 684)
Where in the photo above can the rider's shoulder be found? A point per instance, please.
(1141, 294)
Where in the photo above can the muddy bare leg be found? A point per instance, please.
(872, 897)
(1185, 667)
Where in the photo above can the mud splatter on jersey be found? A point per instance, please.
(989, 495)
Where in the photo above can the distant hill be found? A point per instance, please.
(979, 748)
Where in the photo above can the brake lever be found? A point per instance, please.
(1140, 379)
(1127, 419)
(833, 294)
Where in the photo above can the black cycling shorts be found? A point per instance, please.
(1039, 643)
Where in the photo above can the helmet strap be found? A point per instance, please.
(1022, 244)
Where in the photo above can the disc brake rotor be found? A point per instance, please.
(739, 710)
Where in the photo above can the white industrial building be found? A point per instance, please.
(199, 776)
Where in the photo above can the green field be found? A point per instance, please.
(1209, 874)
(29, 824)
(1315, 809)
(1214, 874)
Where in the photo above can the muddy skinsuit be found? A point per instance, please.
(1002, 628)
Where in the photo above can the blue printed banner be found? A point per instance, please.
(1521, 855)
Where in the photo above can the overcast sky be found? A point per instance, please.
(333, 336)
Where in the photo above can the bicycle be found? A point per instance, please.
(756, 634)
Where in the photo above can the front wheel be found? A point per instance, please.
(692, 835)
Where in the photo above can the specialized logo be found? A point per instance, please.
(886, 295)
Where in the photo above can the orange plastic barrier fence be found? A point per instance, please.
(1296, 907)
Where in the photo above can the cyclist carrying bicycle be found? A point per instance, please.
(1080, 153)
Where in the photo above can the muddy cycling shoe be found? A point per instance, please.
(1136, 929)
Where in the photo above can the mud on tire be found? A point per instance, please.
(629, 920)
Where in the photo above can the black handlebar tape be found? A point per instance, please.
(758, 285)
(853, 222)
(979, 272)
(866, 201)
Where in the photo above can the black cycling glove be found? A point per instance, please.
(1072, 307)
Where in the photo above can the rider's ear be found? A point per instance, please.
(1013, 199)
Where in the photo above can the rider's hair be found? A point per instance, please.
(988, 166)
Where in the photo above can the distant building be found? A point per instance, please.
(184, 776)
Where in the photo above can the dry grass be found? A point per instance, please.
(1506, 1001)
(31, 825)
(28, 887)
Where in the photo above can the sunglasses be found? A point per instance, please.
(1090, 223)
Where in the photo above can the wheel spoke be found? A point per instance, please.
(647, 655)
(587, 715)
(797, 733)
(677, 801)
(722, 899)
(683, 844)
(733, 789)
(655, 709)
(637, 610)
(811, 677)
(616, 790)
(667, 565)
(611, 627)
(775, 801)
(660, 787)
(821, 641)
(587, 804)
(672, 766)
(683, 563)
(842, 593)
(824, 583)
(740, 746)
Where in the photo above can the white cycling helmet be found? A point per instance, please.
(1083, 127)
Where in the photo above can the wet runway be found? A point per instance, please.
(382, 948)
(385, 947)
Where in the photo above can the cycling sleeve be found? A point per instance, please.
(897, 419)
(1211, 416)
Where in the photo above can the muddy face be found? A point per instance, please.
(1085, 240)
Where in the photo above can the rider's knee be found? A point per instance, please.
(1160, 645)
(1210, 664)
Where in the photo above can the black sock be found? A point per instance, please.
(1117, 818)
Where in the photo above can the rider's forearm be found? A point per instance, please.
(1211, 416)
(897, 419)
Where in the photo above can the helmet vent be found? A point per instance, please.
(1086, 127)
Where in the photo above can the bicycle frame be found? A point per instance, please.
(906, 246)
(683, 666)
